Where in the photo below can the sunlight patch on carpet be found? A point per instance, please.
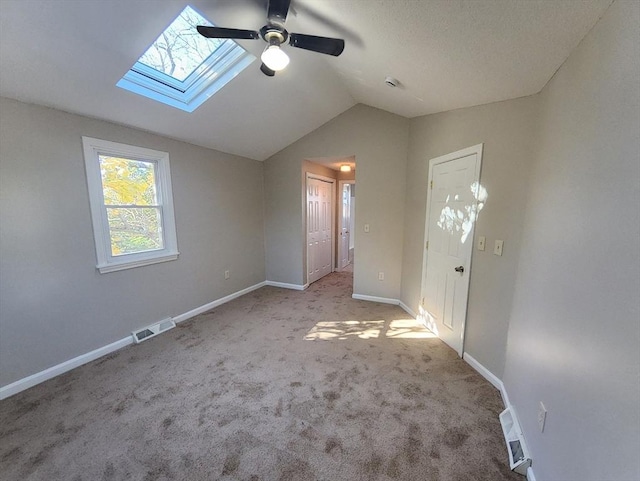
(408, 329)
(341, 330)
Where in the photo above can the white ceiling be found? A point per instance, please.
(447, 54)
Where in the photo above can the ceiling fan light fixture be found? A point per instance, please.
(345, 168)
(274, 58)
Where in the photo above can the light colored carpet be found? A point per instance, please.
(276, 385)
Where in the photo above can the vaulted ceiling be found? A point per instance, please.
(446, 54)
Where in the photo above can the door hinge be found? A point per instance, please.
(426, 245)
(431, 184)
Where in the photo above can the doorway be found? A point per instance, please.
(319, 201)
(454, 198)
(346, 223)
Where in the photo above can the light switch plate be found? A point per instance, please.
(497, 248)
(366, 227)
(482, 240)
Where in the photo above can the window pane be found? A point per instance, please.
(134, 229)
(127, 181)
(180, 49)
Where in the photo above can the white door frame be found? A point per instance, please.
(476, 149)
(308, 176)
(339, 202)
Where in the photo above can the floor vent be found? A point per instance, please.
(519, 458)
(152, 330)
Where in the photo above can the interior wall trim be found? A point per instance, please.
(382, 300)
(408, 310)
(498, 384)
(51, 372)
(284, 285)
(385, 300)
(216, 303)
(42, 376)
(489, 376)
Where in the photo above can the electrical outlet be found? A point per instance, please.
(542, 416)
(497, 248)
(227, 274)
(381, 276)
(482, 240)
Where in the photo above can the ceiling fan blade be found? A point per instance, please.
(267, 71)
(329, 46)
(328, 23)
(277, 11)
(218, 32)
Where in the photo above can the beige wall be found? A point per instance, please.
(379, 142)
(508, 131)
(574, 334)
(347, 175)
(54, 304)
(318, 169)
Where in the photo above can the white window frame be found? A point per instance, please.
(93, 148)
(222, 66)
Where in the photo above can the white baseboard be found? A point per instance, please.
(284, 285)
(382, 300)
(42, 376)
(385, 300)
(498, 384)
(489, 376)
(408, 310)
(216, 303)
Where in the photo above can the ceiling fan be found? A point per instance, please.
(274, 33)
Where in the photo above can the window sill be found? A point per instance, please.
(104, 268)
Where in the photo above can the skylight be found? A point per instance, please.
(182, 68)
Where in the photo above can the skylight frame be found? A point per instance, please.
(218, 69)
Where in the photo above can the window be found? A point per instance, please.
(131, 205)
(182, 68)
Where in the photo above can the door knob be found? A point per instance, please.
(459, 269)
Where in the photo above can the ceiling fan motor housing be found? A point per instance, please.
(274, 35)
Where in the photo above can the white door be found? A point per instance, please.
(318, 229)
(453, 205)
(345, 225)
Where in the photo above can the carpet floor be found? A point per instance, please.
(275, 385)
